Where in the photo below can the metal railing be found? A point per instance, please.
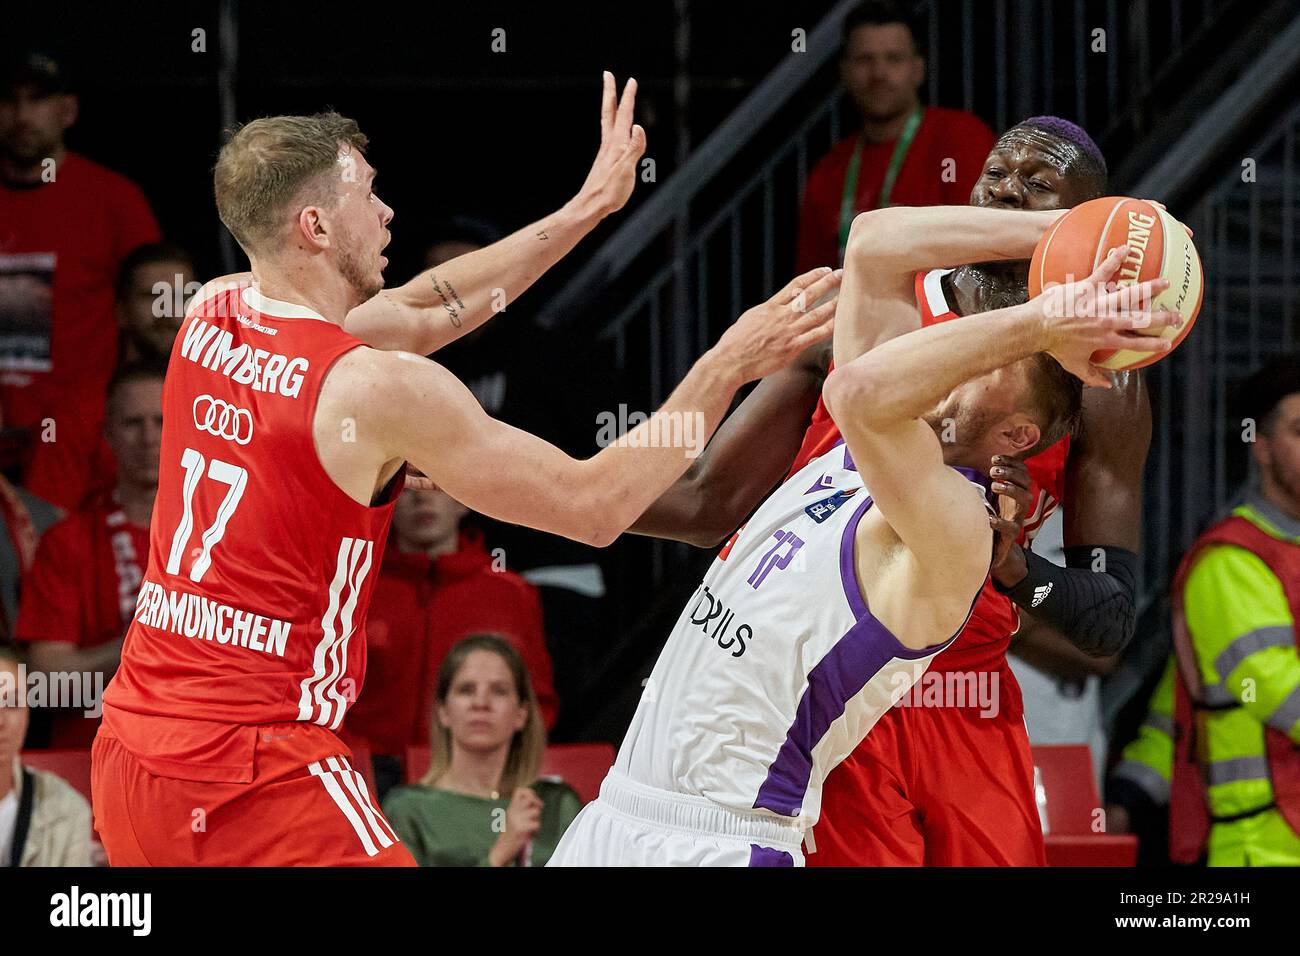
(689, 260)
(1246, 234)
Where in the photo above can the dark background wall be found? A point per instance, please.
(454, 127)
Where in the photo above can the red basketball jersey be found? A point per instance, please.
(984, 641)
(260, 568)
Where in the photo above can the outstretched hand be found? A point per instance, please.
(767, 337)
(622, 144)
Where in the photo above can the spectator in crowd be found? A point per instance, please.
(1234, 719)
(904, 154)
(509, 364)
(437, 584)
(153, 288)
(81, 591)
(481, 802)
(24, 517)
(151, 294)
(43, 820)
(66, 224)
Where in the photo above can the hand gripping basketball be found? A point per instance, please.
(1096, 315)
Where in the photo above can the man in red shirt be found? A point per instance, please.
(66, 224)
(905, 154)
(80, 593)
(150, 292)
(438, 584)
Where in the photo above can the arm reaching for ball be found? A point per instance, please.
(900, 241)
(878, 400)
(410, 409)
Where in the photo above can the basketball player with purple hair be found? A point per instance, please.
(947, 784)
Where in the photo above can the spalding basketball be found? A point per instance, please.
(1158, 246)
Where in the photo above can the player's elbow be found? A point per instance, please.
(853, 392)
(599, 525)
(869, 236)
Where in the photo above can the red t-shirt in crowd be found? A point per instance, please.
(926, 178)
(89, 218)
(421, 608)
(81, 590)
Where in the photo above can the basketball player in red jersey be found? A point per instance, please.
(945, 785)
(284, 444)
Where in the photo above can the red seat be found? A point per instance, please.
(581, 766)
(1073, 811)
(72, 765)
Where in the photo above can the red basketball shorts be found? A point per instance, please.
(294, 812)
(933, 786)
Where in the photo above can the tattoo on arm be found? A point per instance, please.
(453, 311)
(542, 234)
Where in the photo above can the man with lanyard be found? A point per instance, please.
(81, 591)
(905, 154)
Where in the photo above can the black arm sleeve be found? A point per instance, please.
(1095, 609)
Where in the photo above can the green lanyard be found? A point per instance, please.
(891, 174)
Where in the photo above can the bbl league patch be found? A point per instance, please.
(823, 509)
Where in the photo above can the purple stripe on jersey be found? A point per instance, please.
(766, 856)
(838, 677)
(848, 568)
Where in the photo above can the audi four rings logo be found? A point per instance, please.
(220, 418)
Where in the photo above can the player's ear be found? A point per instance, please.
(312, 226)
(1019, 435)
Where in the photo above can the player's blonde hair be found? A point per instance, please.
(270, 162)
(527, 746)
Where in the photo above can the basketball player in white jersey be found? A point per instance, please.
(850, 577)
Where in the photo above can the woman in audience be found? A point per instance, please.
(481, 803)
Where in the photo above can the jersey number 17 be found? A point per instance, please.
(226, 473)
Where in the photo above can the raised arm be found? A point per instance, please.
(878, 399)
(439, 305)
(422, 414)
(892, 245)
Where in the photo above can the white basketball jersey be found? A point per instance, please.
(776, 669)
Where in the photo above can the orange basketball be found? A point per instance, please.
(1158, 246)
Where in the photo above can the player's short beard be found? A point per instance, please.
(966, 425)
(353, 270)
